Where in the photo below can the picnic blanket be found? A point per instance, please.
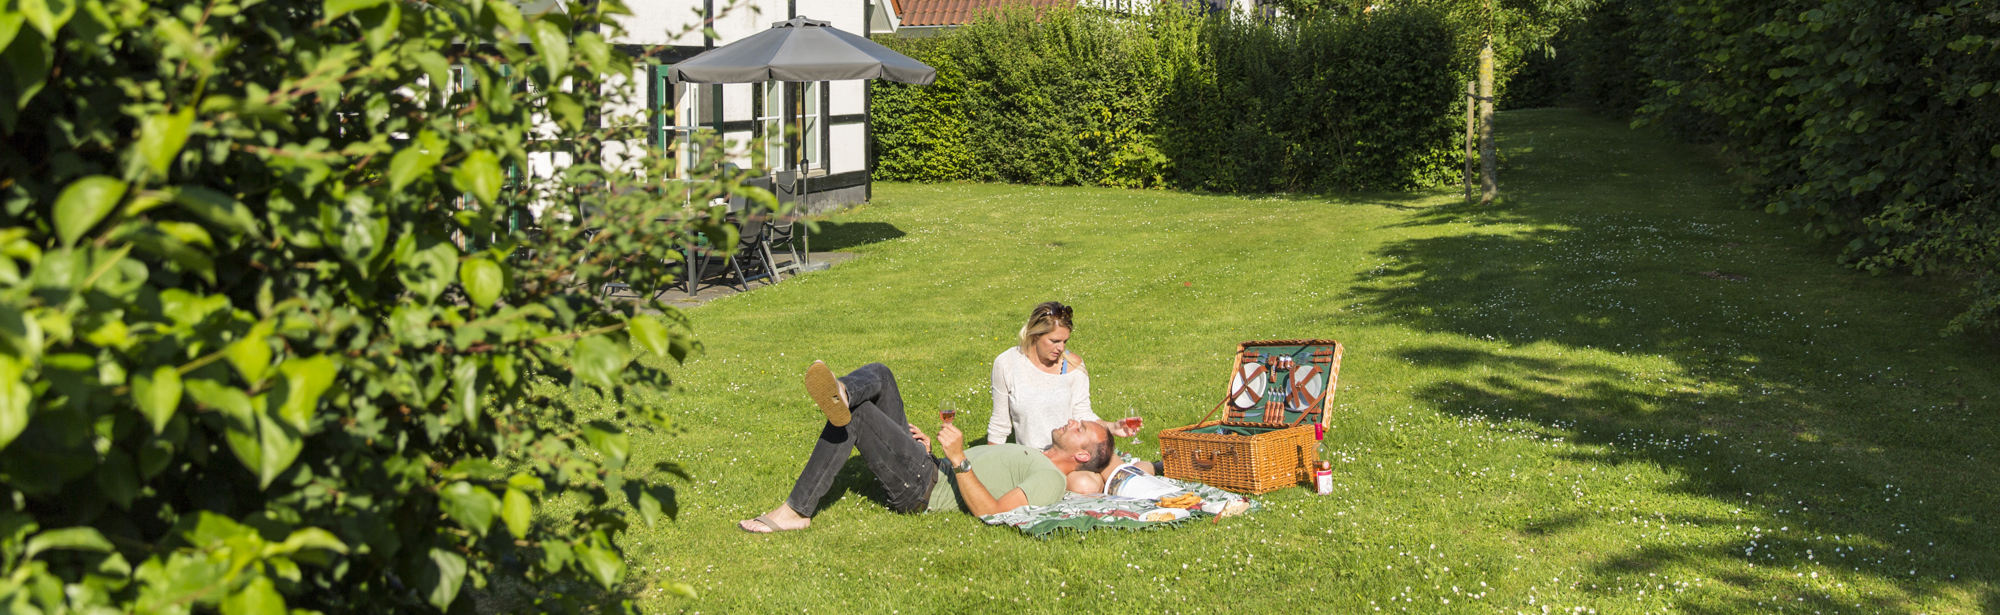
(1083, 513)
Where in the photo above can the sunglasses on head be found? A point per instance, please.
(1058, 310)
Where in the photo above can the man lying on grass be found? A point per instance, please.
(864, 410)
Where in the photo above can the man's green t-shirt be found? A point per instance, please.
(1002, 468)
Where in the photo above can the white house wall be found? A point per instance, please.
(654, 23)
(848, 155)
(649, 29)
(849, 97)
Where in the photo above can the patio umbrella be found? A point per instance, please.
(801, 49)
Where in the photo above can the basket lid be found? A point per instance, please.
(1284, 381)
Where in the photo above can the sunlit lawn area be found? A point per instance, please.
(1616, 391)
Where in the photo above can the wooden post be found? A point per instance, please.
(1487, 188)
(1487, 122)
(1471, 103)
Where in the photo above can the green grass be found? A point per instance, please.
(1544, 403)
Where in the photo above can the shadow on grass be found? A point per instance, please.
(839, 236)
(1862, 454)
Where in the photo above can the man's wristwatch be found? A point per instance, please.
(963, 466)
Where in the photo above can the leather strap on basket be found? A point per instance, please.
(1235, 412)
(1303, 398)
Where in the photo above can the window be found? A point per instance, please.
(813, 125)
(702, 103)
(792, 120)
(675, 111)
(771, 124)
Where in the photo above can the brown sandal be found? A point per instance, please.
(768, 524)
(825, 391)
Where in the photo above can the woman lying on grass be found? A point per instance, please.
(865, 411)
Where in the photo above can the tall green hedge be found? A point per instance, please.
(1876, 121)
(1177, 99)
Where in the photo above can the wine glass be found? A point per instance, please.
(947, 410)
(1132, 422)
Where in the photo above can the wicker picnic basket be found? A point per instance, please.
(1272, 445)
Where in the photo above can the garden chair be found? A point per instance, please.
(783, 232)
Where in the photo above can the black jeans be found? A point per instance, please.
(906, 470)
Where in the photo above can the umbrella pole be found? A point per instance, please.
(804, 235)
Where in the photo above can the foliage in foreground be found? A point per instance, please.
(1878, 121)
(1178, 99)
(272, 334)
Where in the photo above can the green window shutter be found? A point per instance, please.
(661, 102)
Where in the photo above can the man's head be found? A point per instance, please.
(1087, 444)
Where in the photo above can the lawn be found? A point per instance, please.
(1615, 391)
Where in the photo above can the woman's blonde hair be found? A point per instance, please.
(1045, 318)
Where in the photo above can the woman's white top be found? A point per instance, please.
(1028, 403)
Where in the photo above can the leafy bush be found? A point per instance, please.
(273, 333)
(1878, 121)
(1180, 99)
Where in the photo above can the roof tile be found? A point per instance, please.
(958, 12)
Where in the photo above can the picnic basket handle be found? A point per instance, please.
(1210, 464)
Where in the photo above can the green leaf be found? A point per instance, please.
(10, 25)
(161, 137)
(525, 482)
(278, 443)
(211, 530)
(465, 389)
(598, 359)
(310, 538)
(258, 597)
(305, 381)
(651, 335)
(476, 469)
(552, 43)
(185, 232)
(507, 14)
(556, 554)
(157, 396)
(429, 268)
(226, 399)
(359, 226)
(70, 538)
(47, 16)
(483, 280)
(680, 589)
(251, 355)
(443, 577)
(117, 478)
(154, 455)
(336, 8)
(84, 203)
(479, 175)
(601, 564)
(15, 398)
(643, 499)
(610, 441)
(219, 209)
(516, 509)
(415, 161)
(1996, 151)
(471, 506)
(240, 419)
